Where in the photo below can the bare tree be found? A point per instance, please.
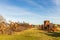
(2, 19)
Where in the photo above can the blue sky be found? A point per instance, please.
(31, 11)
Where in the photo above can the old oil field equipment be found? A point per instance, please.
(47, 26)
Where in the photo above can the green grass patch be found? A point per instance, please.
(31, 34)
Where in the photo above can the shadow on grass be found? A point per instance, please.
(53, 34)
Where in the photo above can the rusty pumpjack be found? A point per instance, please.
(48, 26)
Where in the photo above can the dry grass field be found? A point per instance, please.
(31, 34)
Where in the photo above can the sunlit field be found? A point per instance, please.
(31, 34)
(29, 19)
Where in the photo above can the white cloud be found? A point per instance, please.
(32, 3)
(57, 2)
(20, 14)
